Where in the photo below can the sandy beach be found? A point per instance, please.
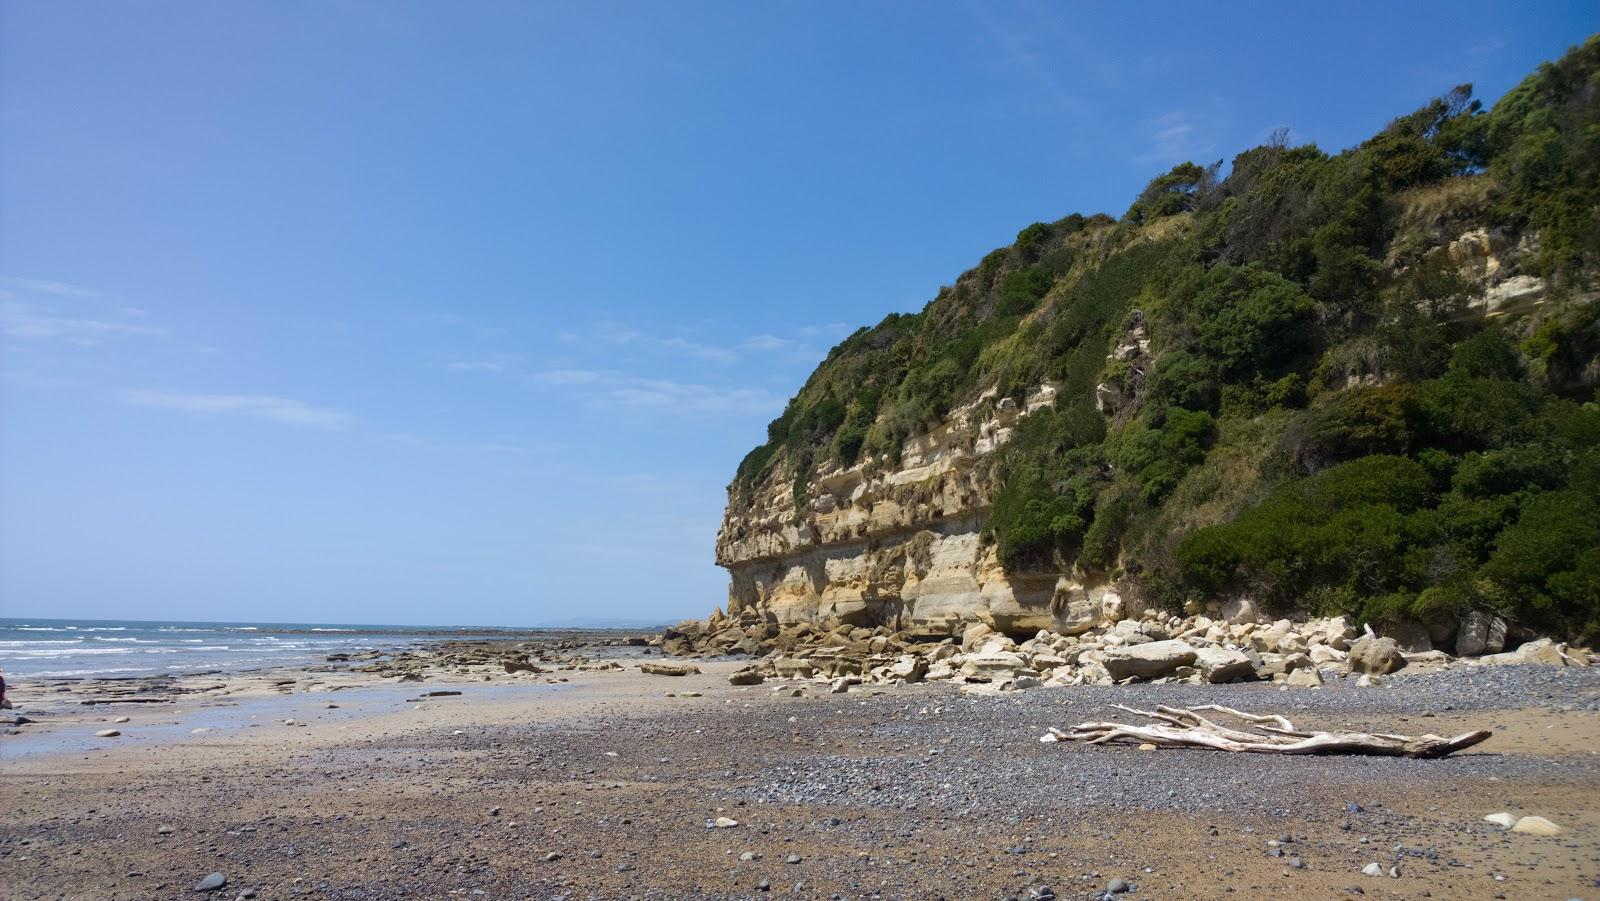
(609, 785)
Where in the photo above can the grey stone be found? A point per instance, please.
(1305, 677)
(1410, 635)
(1480, 632)
(1148, 661)
(1078, 616)
(1241, 610)
(669, 669)
(211, 883)
(1218, 665)
(746, 676)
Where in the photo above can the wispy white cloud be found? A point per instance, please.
(457, 322)
(1014, 50)
(610, 390)
(287, 411)
(620, 336)
(664, 395)
(20, 319)
(1176, 137)
(675, 347)
(568, 377)
(490, 363)
(56, 288)
(769, 343)
(29, 378)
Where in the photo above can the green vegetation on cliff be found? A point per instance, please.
(1290, 382)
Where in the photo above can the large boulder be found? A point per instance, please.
(669, 669)
(974, 636)
(1129, 631)
(1112, 606)
(747, 676)
(1241, 610)
(1480, 632)
(1441, 627)
(836, 661)
(1078, 616)
(1323, 654)
(1410, 635)
(1376, 656)
(1150, 660)
(996, 661)
(794, 668)
(908, 668)
(1272, 666)
(1335, 632)
(1305, 677)
(1542, 650)
(1266, 640)
(1223, 665)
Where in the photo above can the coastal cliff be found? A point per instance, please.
(895, 545)
(1359, 383)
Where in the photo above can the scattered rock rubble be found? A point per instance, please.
(491, 659)
(1156, 647)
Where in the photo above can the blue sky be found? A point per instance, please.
(441, 313)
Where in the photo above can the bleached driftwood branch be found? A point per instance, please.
(1274, 734)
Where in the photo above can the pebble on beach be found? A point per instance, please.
(1536, 826)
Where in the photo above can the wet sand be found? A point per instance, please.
(603, 786)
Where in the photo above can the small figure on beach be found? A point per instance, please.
(4, 704)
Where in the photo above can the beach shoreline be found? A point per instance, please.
(598, 780)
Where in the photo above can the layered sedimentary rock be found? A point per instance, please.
(897, 545)
(902, 543)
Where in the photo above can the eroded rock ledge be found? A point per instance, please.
(898, 546)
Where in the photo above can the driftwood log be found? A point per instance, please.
(1180, 727)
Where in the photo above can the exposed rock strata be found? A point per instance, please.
(899, 545)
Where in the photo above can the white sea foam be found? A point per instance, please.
(67, 652)
(63, 673)
(35, 643)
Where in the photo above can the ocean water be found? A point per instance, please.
(59, 648)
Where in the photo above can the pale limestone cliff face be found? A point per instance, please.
(897, 546)
(1488, 260)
